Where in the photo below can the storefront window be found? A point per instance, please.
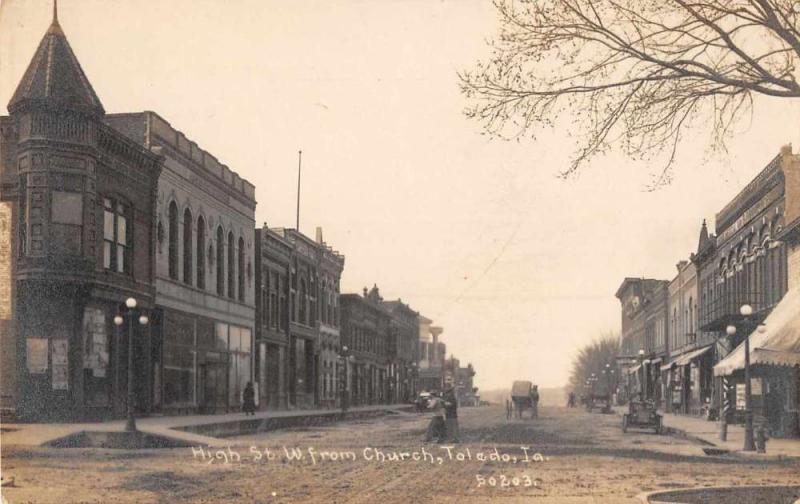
(180, 360)
(239, 363)
(95, 356)
(179, 375)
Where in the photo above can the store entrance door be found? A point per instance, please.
(213, 386)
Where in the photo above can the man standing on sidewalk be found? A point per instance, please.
(451, 413)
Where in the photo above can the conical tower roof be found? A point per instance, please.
(55, 78)
(703, 241)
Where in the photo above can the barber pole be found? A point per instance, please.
(726, 406)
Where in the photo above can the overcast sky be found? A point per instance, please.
(518, 266)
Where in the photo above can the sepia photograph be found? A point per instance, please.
(393, 251)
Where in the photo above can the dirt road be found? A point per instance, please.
(563, 456)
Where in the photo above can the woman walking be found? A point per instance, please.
(249, 399)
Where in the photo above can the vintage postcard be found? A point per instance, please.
(267, 251)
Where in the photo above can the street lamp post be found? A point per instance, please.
(344, 356)
(749, 443)
(130, 303)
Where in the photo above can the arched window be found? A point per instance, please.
(187, 246)
(201, 252)
(172, 251)
(220, 262)
(231, 260)
(691, 316)
(241, 269)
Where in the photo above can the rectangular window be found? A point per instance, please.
(116, 251)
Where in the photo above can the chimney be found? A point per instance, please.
(790, 164)
(319, 235)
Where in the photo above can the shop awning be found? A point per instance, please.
(688, 357)
(685, 358)
(634, 369)
(777, 345)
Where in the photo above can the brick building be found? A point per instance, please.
(205, 298)
(365, 331)
(78, 201)
(643, 338)
(302, 332)
(687, 375)
(402, 350)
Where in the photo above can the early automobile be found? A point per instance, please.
(642, 414)
(422, 401)
(599, 398)
(524, 395)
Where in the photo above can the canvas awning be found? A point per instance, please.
(688, 357)
(777, 345)
(685, 358)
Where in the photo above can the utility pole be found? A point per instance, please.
(299, 170)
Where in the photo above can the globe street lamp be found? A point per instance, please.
(749, 443)
(130, 303)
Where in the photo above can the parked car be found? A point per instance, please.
(422, 401)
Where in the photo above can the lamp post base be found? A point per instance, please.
(749, 441)
(130, 424)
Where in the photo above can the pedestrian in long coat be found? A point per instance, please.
(451, 414)
(249, 399)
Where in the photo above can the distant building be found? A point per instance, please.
(365, 331)
(687, 375)
(402, 348)
(643, 339)
(431, 356)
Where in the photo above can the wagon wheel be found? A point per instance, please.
(625, 422)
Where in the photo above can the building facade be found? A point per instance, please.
(310, 327)
(78, 200)
(643, 338)
(205, 295)
(403, 338)
(365, 331)
(743, 264)
(687, 375)
(431, 351)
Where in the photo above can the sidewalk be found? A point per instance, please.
(708, 432)
(37, 434)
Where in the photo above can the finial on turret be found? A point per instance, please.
(55, 11)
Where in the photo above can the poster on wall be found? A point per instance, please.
(36, 355)
(755, 390)
(59, 354)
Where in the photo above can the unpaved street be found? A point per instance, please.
(585, 458)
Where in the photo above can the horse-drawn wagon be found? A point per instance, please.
(524, 395)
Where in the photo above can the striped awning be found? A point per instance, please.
(777, 345)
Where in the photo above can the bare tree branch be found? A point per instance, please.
(632, 73)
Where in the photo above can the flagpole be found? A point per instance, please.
(299, 169)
